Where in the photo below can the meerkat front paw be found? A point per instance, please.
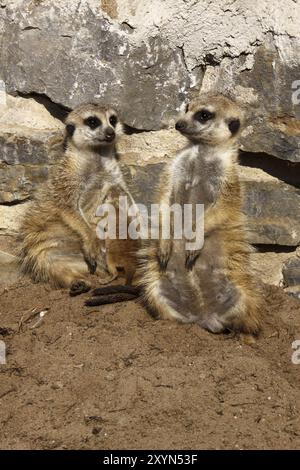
(90, 259)
(91, 252)
(190, 259)
(164, 254)
(80, 286)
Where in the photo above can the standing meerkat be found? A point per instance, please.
(214, 285)
(59, 245)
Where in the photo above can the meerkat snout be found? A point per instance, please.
(180, 125)
(110, 134)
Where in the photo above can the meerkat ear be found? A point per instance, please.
(70, 129)
(234, 126)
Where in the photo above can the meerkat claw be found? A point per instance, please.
(163, 262)
(92, 264)
(190, 259)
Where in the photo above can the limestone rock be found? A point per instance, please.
(146, 148)
(11, 216)
(80, 55)
(148, 58)
(13, 185)
(26, 113)
(291, 272)
(272, 208)
(17, 182)
(268, 264)
(27, 132)
(24, 146)
(9, 271)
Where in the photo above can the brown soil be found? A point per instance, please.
(111, 377)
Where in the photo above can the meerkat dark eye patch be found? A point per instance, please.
(113, 120)
(204, 115)
(93, 122)
(70, 128)
(234, 126)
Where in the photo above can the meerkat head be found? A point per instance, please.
(91, 127)
(211, 119)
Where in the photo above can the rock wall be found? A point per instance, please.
(148, 59)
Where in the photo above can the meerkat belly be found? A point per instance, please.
(205, 295)
(176, 288)
(211, 274)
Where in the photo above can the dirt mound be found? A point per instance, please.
(112, 377)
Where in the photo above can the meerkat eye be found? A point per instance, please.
(70, 128)
(93, 122)
(204, 115)
(113, 120)
(234, 126)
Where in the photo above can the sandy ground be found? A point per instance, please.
(111, 377)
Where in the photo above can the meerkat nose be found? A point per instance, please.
(180, 125)
(110, 134)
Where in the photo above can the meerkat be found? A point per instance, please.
(212, 286)
(59, 245)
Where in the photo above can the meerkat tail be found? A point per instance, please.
(110, 299)
(113, 294)
(134, 290)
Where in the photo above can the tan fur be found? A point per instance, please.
(215, 286)
(120, 253)
(58, 241)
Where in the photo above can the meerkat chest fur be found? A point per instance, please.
(98, 179)
(100, 176)
(199, 172)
